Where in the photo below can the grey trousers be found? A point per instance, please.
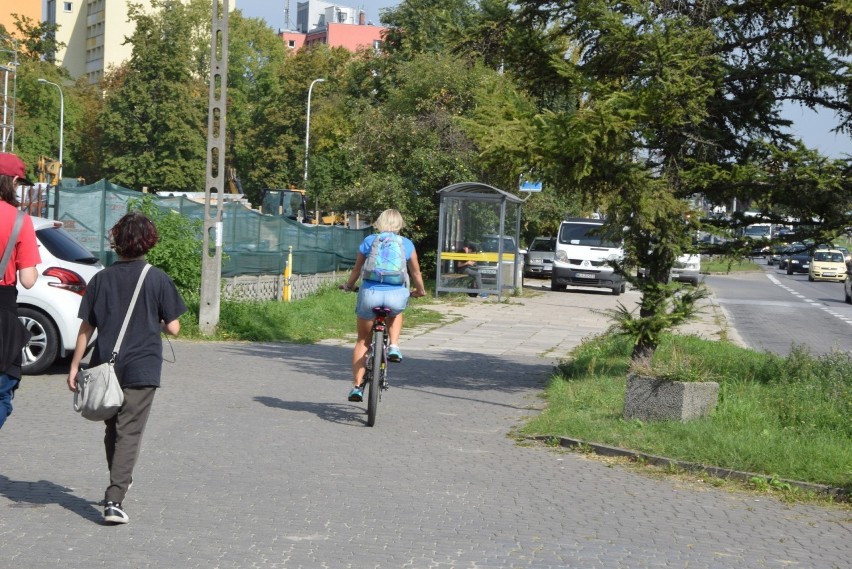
(123, 439)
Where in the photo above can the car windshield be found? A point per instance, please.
(490, 244)
(828, 257)
(62, 246)
(543, 245)
(588, 234)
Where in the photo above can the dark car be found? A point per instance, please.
(538, 261)
(797, 259)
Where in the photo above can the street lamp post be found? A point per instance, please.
(307, 139)
(61, 122)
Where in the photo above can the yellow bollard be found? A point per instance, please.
(287, 293)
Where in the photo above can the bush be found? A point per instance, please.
(178, 251)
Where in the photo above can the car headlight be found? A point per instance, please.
(562, 256)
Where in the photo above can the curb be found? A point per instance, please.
(840, 494)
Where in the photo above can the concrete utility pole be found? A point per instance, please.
(214, 187)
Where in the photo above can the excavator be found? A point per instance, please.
(48, 170)
(285, 202)
(290, 202)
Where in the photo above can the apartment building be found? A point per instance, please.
(332, 24)
(93, 32)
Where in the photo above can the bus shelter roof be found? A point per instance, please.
(477, 190)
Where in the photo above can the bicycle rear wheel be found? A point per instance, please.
(375, 385)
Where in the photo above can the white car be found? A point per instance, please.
(49, 308)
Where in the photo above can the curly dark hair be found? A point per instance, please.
(133, 235)
(8, 193)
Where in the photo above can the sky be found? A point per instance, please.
(812, 127)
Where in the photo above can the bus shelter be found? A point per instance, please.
(478, 234)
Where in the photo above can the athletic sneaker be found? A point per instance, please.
(394, 355)
(113, 513)
(357, 394)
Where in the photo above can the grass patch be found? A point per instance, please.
(714, 264)
(786, 417)
(328, 314)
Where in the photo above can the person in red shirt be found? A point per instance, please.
(21, 259)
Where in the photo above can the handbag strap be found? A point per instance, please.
(10, 245)
(129, 311)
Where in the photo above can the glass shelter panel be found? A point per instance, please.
(478, 253)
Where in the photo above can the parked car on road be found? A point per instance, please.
(538, 261)
(488, 269)
(827, 265)
(585, 256)
(49, 308)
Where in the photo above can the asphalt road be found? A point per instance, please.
(254, 458)
(774, 311)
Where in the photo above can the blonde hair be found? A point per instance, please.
(389, 220)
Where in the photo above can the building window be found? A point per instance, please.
(291, 44)
(67, 6)
(377, 45)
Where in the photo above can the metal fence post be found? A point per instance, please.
(288, 272)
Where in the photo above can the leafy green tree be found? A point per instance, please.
(37, 40)
(416, 26)
(665, 91)
(155, 111)
(404, 149)
(257, 58)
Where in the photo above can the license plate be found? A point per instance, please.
(805, 266)
(828, 275)
(585, 276)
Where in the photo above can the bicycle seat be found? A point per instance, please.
(381, 311)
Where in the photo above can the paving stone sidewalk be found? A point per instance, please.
(254, 458)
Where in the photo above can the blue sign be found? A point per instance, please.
(531, 186)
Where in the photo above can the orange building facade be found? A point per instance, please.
(29, 8)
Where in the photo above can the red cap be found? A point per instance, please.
(11, 165)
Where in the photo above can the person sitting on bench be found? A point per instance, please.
(468, 267)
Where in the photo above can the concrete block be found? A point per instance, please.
(653, 399)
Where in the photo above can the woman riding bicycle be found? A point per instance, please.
(374, 293)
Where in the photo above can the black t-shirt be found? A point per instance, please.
(104, 306)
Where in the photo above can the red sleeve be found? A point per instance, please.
(26, 249)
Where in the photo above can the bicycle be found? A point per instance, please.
(376, 368)
(376, 373)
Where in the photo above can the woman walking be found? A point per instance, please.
(140, 361)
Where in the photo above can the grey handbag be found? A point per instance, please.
(99, 396)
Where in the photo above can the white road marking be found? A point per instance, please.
(812, 302)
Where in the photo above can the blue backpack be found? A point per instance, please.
(386, 261)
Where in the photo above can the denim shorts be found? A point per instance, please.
(395, 298)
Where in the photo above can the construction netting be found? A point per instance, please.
(252, 243)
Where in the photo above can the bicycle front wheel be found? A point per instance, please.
(375, 385)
